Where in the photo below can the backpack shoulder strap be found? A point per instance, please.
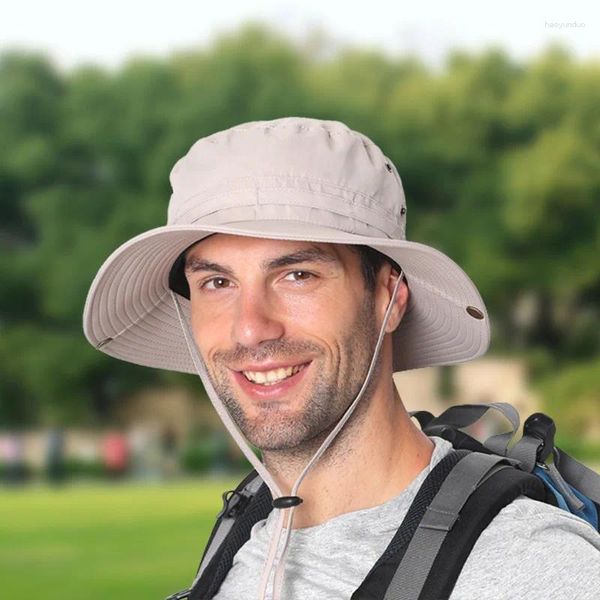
(478, 487)
(458, 499)
(242, 508)
(231, 532)
(486, 502)
(234, 504)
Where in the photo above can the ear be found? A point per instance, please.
(390, 278)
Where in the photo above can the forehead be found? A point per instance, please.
(223, 246)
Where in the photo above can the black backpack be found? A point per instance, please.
(456, 502)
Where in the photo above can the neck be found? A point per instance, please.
(379, 434)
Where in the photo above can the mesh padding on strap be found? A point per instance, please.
(379, 577)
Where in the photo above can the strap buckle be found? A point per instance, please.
(542, 427)
(234, 503)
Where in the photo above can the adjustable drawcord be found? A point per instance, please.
(284, 503)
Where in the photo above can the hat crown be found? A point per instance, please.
(294, 168)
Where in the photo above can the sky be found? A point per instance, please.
(111, 31)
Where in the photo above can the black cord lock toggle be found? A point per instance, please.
(286, 501)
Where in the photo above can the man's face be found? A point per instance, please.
(287, 331)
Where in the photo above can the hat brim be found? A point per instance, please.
(129, 312)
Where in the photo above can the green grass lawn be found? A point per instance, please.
(93, 542)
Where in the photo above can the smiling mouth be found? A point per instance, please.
(273, 377)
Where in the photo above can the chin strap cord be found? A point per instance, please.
(276, 555)
(222, 411)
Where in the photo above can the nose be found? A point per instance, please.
(255, 320)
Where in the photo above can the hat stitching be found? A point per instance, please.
(290, 177)
(308, 222)
(114, 336)
(337, 132)
(154, 304)
(308, 124)
(361, 196)
(397, 229)
(435, 290)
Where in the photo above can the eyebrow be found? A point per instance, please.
(312, 254)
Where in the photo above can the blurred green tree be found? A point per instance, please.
(500, 162)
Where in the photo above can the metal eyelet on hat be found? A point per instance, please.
(403, 210)
(388, 167)
(474, 312)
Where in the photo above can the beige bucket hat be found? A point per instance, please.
(292, 178)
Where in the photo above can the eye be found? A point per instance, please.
(298, 276)
(216, 283)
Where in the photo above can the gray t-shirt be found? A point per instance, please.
(530, 550)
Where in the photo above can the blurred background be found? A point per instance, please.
(110, 473)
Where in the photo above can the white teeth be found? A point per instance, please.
(271, 377)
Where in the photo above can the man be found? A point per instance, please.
(285, 280)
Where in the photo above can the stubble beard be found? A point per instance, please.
(299, 433)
